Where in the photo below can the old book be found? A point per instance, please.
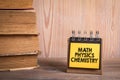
(18, 29)
(22, 61)
(16, 4)
(18, 22)
(18, 44)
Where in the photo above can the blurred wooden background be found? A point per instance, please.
(57, 18)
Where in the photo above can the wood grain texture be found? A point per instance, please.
(55, 69)
(57, 18)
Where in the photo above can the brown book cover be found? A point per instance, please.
(16, 4)
(18, 44)
(18, 22)
(18, 62)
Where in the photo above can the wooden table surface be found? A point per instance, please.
(55, 69)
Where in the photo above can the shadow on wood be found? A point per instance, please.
(53, 64)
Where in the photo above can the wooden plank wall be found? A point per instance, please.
(57, 18)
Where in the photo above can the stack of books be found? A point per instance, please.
(19, 43)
